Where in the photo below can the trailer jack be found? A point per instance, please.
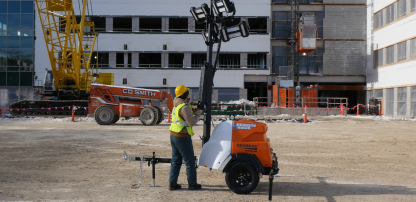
(150, 160)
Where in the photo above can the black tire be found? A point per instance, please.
(160, 113)
(149, 116)
(242, 178)
(116, 118)
(104, 115)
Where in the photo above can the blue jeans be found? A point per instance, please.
(182, 148)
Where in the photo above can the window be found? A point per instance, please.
(413, 101)
(229, 61)
(258, 25)
(198, 60)
(401, 101)
(150, 24)
(378, 20)
(312, 63)
(176, 60)
(412, 5)
(228, 94)
(401, 51)
(319, 18)
(99, 23)
(413, 48)
(281, 57)
(256, 61)
(390, 54)
(378, 94)
(402, 8)
(102, 59)
(121, 60)
(122, 24)
(281, 25)
(178, 24)
(390, 102)
(150, 60)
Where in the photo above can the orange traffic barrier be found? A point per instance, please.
(73, 113)
(169, 117)
(306, 115)
(342, 109)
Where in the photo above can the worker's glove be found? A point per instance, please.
(198, 112)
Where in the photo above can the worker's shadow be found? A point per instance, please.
(328, 190)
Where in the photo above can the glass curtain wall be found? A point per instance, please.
(16, 51)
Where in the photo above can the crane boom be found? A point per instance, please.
(68, 44)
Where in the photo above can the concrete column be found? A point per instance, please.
(269, 58)
(134, 59)
(135, 24)
(188, 59)
(243, 60)
(215, 95)
(243, 94)
(112, 60)
(126, 60)
(269, 26)
(165, 24)
(165, 59)
(191, 25)
(395, 102)
(108, 24)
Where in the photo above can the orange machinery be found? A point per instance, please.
(108, 103)
(285, 97)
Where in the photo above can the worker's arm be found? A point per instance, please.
(187, 115)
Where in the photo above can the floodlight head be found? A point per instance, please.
(241, 29)
(221, 6)
(200, 14)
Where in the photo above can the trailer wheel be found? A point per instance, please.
(116, 118)
(104, 115)
(242, 178)
(149, 116)
(160, 113)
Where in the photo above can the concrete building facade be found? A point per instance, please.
(338, 65)
(391, 55)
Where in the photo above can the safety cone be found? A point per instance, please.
(379, 109)
(358, 109)
(73, 113)
(306, 115)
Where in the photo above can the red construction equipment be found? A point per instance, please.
(109, 103)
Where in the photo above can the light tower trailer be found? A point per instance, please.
(239, 148)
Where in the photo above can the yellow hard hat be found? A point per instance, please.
(180, 90)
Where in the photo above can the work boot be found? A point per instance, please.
(194, 187)
(174, 186)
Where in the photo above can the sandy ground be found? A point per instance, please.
(328, 159)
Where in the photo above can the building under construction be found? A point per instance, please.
(158, 45)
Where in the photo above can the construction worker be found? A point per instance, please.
(183, 118)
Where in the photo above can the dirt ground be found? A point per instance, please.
(329, 159)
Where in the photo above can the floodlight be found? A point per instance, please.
(200, 14)
(241, 29)
(221, 6)
(214, 34)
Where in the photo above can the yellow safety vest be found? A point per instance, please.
(178, 124)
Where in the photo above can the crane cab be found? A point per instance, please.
(307, 34)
